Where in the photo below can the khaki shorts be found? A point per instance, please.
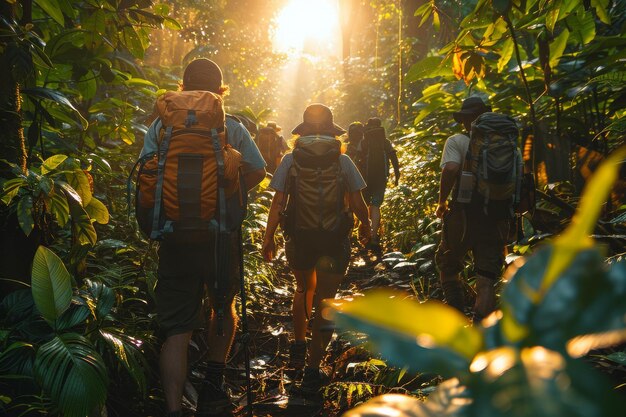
(186, 273)
(467, 230)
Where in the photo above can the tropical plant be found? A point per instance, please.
(561, 303)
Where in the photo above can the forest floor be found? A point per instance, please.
(355, 374)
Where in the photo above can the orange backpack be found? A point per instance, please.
(184, 186)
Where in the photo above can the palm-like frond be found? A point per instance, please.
(72, 373)
(51, 284)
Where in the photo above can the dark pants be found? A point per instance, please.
(469, 229)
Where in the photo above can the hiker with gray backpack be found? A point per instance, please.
(317, 191)
(482, 173)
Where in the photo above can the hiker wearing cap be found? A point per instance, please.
(186, 269)
(376, 156)
(466, 225)
(354, 141)
(313, 184)
(272, 145)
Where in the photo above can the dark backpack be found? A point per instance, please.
(495, 161)
(375, 168)
(269, 144)
(316, 188)
(188, 187)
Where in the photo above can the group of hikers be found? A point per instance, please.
(195, 170)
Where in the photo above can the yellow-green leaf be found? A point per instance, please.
(97, 211)
(505, 54)
(51, 284)
(576, 236)
(444, 327)
(52, 163)
(80, 183)
(557, 47)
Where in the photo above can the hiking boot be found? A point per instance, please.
(213, 399)
(453, 292)
(485, 297)
(297, 358)
(312, 381)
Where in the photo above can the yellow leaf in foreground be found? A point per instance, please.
(431, 323)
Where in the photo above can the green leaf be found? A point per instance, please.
(583, 26)
(140, 81)
(59, 208)
(10, 189)
(25, 214)
(601, 10)
(75, 315)
(423, 69)
(172, 24)
(52, 163)
(79, 182)
(444, 344)
(52, 8)
(530, 378)
(55, 96)
(557, 47)
(97, 211)
(552, 15)
(51, 284)
(505, 54)
(72, 373)
(83, 230)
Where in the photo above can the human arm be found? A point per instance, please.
(150, 139)
(359, 208)
(252, 178)
(449, 175)
(273, 218)
(393, 157)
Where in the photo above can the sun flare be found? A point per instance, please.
(304, 24)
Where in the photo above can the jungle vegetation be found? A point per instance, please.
(78, 82)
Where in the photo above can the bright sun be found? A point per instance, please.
(302, 24)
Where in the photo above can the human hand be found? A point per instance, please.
(269, 248)
(442, 209)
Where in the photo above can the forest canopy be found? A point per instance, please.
(78, 86)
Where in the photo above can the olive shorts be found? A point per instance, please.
(186, 273)
(374, 195)
(467, 230)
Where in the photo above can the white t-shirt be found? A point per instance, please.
(454, 149)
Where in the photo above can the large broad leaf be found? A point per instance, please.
(448, 400)
(541, 274)
(101, 298)
(97, 211)
(51, 284)
(72, 373)
(83, 229)
(52, 9)
(80, 182)
(557, 47)
(55, 96)
(25, 214)
(126, 350)
(429, 337)
(537, 382)
(17, 360)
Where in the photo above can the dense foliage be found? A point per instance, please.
(78, 80)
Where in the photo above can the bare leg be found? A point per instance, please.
(303, 301)
(219, 346)
(327, 286)
(173, 366)
(375, 218)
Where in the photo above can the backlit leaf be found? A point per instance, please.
(51, 284)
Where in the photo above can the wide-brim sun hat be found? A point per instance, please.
(472, 106)
(318, 120)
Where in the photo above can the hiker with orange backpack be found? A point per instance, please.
(313, 184)
(196, 167)
(271, 144)
(482, 171)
